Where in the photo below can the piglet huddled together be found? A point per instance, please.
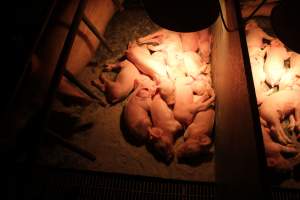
(166, 79)
(277, 87)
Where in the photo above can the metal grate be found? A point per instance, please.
(285, 194)
(115, 186)
(79, 185)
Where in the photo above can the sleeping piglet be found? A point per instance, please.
(165, 128)
(291, 79)
(142, 59)
(255, 36)
(278, 106)
(185, 108)
(135, 113)
(274, 64)
(120, 88)
(202, 85)
(197, 135)
(166, 41)
(273, 152)
(166, 90)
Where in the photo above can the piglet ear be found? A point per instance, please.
(155, 133)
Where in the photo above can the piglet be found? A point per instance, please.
(255, 36)
(141, 58)
(169, 43)
(190, 41)
(202, 85)
(274, 64)
(273, 152)
(164, 129)
(257, 61)
(277, 107)
(194, 64)
(291, 79)
(135, 113)
(120, 88)
(185, 108)
(197, 135)
(257, 51)
(257, 67)
(166, 90)
(164, 39)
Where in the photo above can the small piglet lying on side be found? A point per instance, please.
(135, 113)
(142, 59)
(120, 88)
(165, 128)
(274, 64)
(197, 135)
(273, 152)
(279, 106)
(185, 108)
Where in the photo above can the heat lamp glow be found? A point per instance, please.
(277, 86)
(167, 78)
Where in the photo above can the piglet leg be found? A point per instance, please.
(201, 105)
(97, 83)
(197, 135)
(281, 136)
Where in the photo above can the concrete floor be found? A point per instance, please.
(105, 138)
(101, 133)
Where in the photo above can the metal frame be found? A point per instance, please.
(37, 125)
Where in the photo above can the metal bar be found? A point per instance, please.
(37, 124)
(71, 146)
(81, 86)
(255, 10)
(96, 32)
(62, 60)
(32, 50)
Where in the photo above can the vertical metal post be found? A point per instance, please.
(63, 58)
(36, 127)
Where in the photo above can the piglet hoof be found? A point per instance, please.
(281, 136)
